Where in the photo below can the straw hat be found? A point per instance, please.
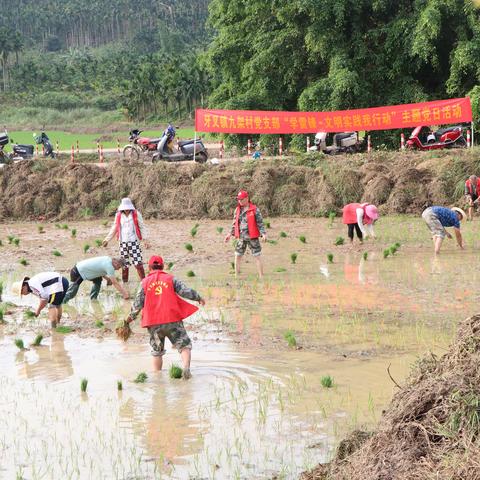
(460, 211)
(16, 288)
(126, 204)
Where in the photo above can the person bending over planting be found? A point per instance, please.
(437, 218)
(94, 269)
(163, 312)
(247, 227)
(50, 287)
(472, 191)
(360, 217)
(130, 230)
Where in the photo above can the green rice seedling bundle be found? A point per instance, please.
(190, 273)
(393, 250)
(175, 371)
(189, 247)
(73, 232)
(272, 242)
(267, 224)
(16, 241)
(105, 223)
(170, 265)
(83, 385)
(365, 255)
(98, 242)
(29, 314)
(56, 253)
(141, 378)
(123, 331)
(11, 238)
(219, 229)
(330, 257)
(40, 229)
(326, 381)
(283, 235)
(57, 225)
(86, 248)
(193, 231)
(339, 241)
(119, 385)
(331, 218)
(64, 226)
(302, 238)
(63, 329)
(280, 270)
(386, 253)
(38, 340)
(290, 338)
(23, 262)
(293, 257)
(99, 324)
(19, 344)
(397, 245)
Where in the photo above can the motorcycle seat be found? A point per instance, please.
(441, 131)
(341, 136)
(184, 142)
(155, 140)
(19, 145)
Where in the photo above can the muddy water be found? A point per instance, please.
(255, 406)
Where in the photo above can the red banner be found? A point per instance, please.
(455, 110)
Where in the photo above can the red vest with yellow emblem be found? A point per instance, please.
(162, 305)
(135, 222)
(350, 213)
(253, 231)
(469, 185)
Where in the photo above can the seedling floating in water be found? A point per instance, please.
(56, 253)
(19, 344)
(98, 242)
(99, 324)
(302, 239)
(190, 273)
(290, 338)
(41, 229)
(175, 371)
(28, 314)
(86, 248)
(193, 231)
(339, 241)
(283, 235)
(119, 385)
(365, 255)
(189, 247)
(23, 262)
(219, 229)
(38, 340)
(63, 329)
(73, 232)
(330, 257)
(293, 257)
(386, 253)
(326, 381)
(141, 378)
(83, 385)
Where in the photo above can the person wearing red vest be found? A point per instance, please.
(247, 227)
(129, 228)
(360, 217)
(163, 312)
(472, 191)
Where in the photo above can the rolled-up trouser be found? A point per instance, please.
(433, 223)
(76, 279)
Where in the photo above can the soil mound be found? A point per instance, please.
(431, 428)
(306, 185)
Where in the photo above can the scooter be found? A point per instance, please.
(347, 142)
(139, 145)
(423, 138)
(186, 149)
(22, 151)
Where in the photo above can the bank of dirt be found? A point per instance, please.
(399, 182)
(431, 428)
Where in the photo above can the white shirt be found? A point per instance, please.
(45, 284)
(366, 229)
(127, 228)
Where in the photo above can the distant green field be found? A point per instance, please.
(89, 141)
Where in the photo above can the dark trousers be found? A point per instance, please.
(76, 280)
(351, 227)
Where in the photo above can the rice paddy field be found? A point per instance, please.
(282, 368)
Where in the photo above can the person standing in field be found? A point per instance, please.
(50, 287)
(94, 269)
(472, 191)
(437, 218)
(360, 217)
(159, 298)
(130, 230)
(247, 227)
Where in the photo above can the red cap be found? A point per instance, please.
(155, 260)
(242, 194)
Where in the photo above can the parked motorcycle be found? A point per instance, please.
(24, 151)
(423, 138)
(347, 142)
(43, 139)
(186, 149)
(139, 145)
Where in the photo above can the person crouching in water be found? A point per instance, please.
(50, 287)
(360, 217)
(163, 312)
(130, 230)
(247, 227)
(437, 218)
(472, 191)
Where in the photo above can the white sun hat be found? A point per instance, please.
(126, 204)
(16, 288)
(460, 211)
